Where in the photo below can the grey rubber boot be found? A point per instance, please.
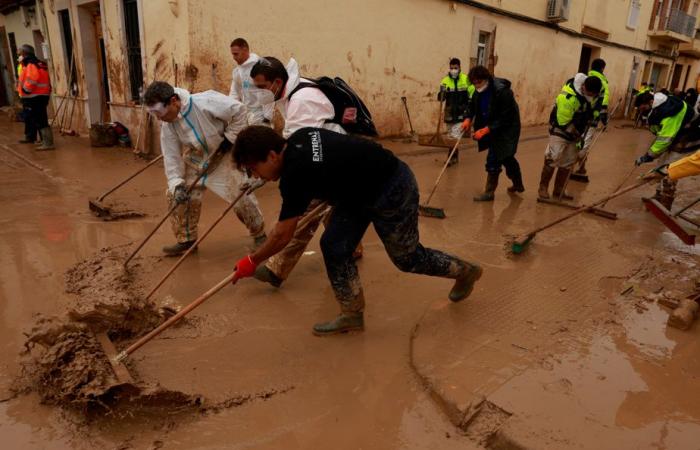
(489, 190)
(464, 283)
(545, 178)
(262, 273)
(46, 139)
(350, 319)
(178, 249)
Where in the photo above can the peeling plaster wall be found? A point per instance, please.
(401, 48)
(385, 50)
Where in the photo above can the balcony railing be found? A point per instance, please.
(679, 22)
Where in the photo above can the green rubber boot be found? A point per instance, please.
(262, 273)
(464, 284)
(345, 322)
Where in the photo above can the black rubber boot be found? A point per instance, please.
(345, 322)
(545, 178)
(489, 190)
(259, 240)
(262, 273)
(517, 184)
(27, 140)
(178, 249)
(455, 158)
(464, 284)
(559, 185)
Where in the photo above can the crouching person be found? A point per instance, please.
(320, 164)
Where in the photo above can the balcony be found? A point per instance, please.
(676, 27)
(691, 48)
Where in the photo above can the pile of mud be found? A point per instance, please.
(64, 363)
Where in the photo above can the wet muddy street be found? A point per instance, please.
(564, 346)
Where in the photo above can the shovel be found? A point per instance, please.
(429, 211)
(102, 210)
(233, 278)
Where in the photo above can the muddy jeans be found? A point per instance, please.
(395, 219)
(185, 219)
(283, 262)
(560, 152)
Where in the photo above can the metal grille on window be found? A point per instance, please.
(133, 48)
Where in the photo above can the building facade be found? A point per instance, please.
(103, 52)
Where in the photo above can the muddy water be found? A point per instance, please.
(248, 351)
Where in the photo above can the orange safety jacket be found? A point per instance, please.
(34, 80)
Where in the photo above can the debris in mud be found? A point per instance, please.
(64, 363)
(483, 420)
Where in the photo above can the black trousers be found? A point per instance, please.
(395, 219)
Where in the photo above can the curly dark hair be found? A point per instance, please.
(254, 143)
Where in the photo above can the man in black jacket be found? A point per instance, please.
(496, 118)
(315, 163)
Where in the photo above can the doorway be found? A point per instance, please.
(7, 68)
(676, 78)
(94, 64)
(588, 54)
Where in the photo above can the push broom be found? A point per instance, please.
(430, 211)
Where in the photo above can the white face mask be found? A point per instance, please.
(589, 98)
(483, 87)
(257, 97)
(454, 73)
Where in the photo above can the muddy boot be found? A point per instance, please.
(178, 249)
(262, 273)
(46, 139)
(345, 322)
(547, 172)
(581, 169)
(464, 283)
(491, 184)
(27, 140)
(517, 185)
(562, 177)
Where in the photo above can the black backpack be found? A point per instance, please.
(350, 111)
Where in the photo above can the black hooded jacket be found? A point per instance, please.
(502, 116)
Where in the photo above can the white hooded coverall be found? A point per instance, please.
(241, 86)
(204, 119)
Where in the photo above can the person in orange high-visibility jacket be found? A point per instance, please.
(35, 91)
(29, 130)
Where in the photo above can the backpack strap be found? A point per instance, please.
(301, 86)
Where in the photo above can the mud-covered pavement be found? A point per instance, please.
(565, 346)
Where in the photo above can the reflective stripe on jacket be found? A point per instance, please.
(666, 131)
(34, 80)
(460, 84)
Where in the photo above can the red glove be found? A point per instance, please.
(478, 134)
(467, 124)
(245, 267)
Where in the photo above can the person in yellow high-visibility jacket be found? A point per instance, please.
(455, 90)
(669, 115)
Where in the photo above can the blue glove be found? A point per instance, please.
(645, 158)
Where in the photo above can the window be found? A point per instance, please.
(482, 54)
(633, 17)
(71, 74)
(133, 48)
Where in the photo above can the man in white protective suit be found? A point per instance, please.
(197, 133)
(242, 86)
